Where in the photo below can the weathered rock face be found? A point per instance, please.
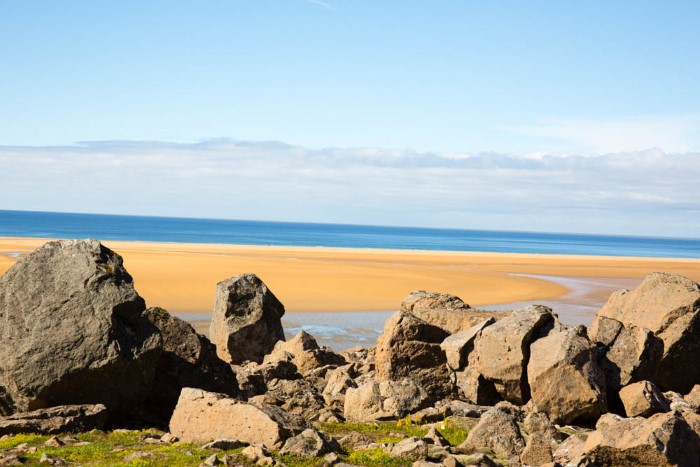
(339, 381)
(72, 331)
(61, 419)
(669, 306)
(502, 350)
(663, 439)
(307, 355)
(310, 443)
(386, 400)
(445, 311)
(497, 431)
(458, 346)
(410, 348)
(565, 380)
(188, 360)
(633, 355)
(202, 416)
(246, 322)
(643, 399)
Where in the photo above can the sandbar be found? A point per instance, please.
(182, 277)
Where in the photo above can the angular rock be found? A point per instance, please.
(246, 322)
(538, 424)
(643, 399)
(73, 331)
(296, 397)
(662, 439)
(497, 431)
(410, 348)
(224, 444)
(410, 449)
(338, 382)
(60, 419)
(502, 350)
(435, 437)
(188, 360)
(570, 450)
(307, 355)
(538, 451)
(445, 311)
(475, 388)
(458, 346)
(385, 400)
(634, 355)
(693, 398)
(202, 416)
(310, 443)
(669, 306)
(565, 380)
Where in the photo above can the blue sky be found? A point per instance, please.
(456, 79)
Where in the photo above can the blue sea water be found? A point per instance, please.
(188, 230)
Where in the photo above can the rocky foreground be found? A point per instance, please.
(89, 375)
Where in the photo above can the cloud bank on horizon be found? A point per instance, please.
(647, 192)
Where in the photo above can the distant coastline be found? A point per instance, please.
(36, 224)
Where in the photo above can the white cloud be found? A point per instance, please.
(680, 133)
(643, 192)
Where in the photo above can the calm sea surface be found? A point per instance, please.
(342, 330)
(170, 229)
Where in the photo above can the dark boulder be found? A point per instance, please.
(246, 323)
(72, 331)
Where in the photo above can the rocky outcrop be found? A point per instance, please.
(445, 311)
(202, 416)
(663, 439)
(246, 322)
(386, 400)
(338, 381)
(307, 355)
(634, 354)
(310, 443)
(498, 432)
(643, 399)
(669, 306)
(410, 348)
(565, 380)
(502, 350)
(61, 419)
(72, 331)
(188, 360)
(458, 346)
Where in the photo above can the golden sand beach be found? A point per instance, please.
(182, 277)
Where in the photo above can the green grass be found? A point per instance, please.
(375, 457)
(112, 448)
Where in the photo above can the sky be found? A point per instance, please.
(508, 115)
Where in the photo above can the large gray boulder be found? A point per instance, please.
(202, 416)
(246, 322)
(565, 379)
(72, 331)
(502, 350)
(386, 400)
(410, 348)
(445, 311)
(669, 306)
(188, 360)
(663, 439)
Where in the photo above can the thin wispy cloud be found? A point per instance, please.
(322, 4)
(674, 133)
(640, 192)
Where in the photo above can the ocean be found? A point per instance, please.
(189, 230)
(343, 330)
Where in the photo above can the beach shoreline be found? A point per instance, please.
(182, 277)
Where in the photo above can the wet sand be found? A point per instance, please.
(182, 277)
